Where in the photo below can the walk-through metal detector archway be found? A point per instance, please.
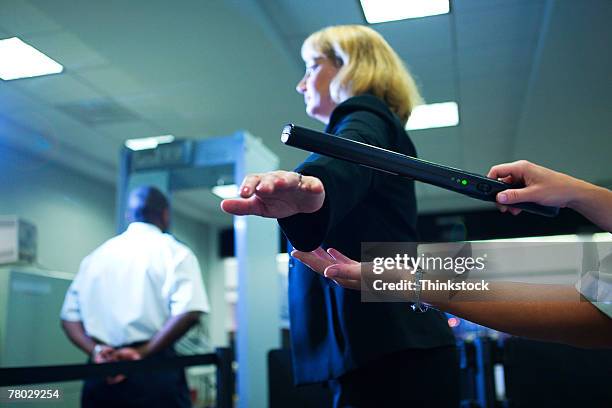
(190, 164)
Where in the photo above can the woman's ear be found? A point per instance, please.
(338, 93)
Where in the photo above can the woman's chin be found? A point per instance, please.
(312, 112)
(316, 114)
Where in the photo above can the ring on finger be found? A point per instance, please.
(299, 179)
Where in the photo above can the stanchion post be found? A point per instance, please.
(485, 374)
(225, 378)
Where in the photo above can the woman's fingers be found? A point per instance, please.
(312, 260)
(279, 193)
(277, 182)
(347, 275)
(344, 271)
(311, 184)
(320, 252)
(267, 183)
(242, 206)
(250, 182)
(282, 181)
(340, 257)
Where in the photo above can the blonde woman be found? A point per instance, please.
(368, 353)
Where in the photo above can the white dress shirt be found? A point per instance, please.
(127, 288)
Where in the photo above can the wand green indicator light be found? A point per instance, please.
(464, 182)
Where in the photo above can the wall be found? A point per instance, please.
(73, 213)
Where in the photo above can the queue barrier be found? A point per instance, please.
(222, 358)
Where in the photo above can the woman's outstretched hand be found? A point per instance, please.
(277, 194)
(333, 265)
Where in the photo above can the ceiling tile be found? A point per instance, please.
(421, 36)
(469, 6)
(54, 125)
(20, 18)
(439, 65)
(434, 84)
(66, 49)
(489, 115)
(53, 89)
(13, 99)
(509, 21)
(498, 61)
(113, 80)
(131, 130)
(300, 18)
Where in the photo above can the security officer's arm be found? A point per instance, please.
(548, 187)
(72, 323)
(173, 330)
(544, 312)
(76, 333)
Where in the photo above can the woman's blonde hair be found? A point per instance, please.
(369, 65)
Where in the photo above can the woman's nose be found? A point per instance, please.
(301, 86)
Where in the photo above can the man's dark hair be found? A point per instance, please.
(146, 204)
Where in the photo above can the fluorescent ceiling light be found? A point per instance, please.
(380, 11)
(434, 115)
(226, 191)
(20, 60)
(145, 143)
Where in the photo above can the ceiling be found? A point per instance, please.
(533, 79)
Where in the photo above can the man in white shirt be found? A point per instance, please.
(134, 297)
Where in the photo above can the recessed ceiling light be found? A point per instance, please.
(21, 60)
(226, 191)
(380, 11)
(145, 143)
(434, 115)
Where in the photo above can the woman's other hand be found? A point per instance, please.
(333, 265)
